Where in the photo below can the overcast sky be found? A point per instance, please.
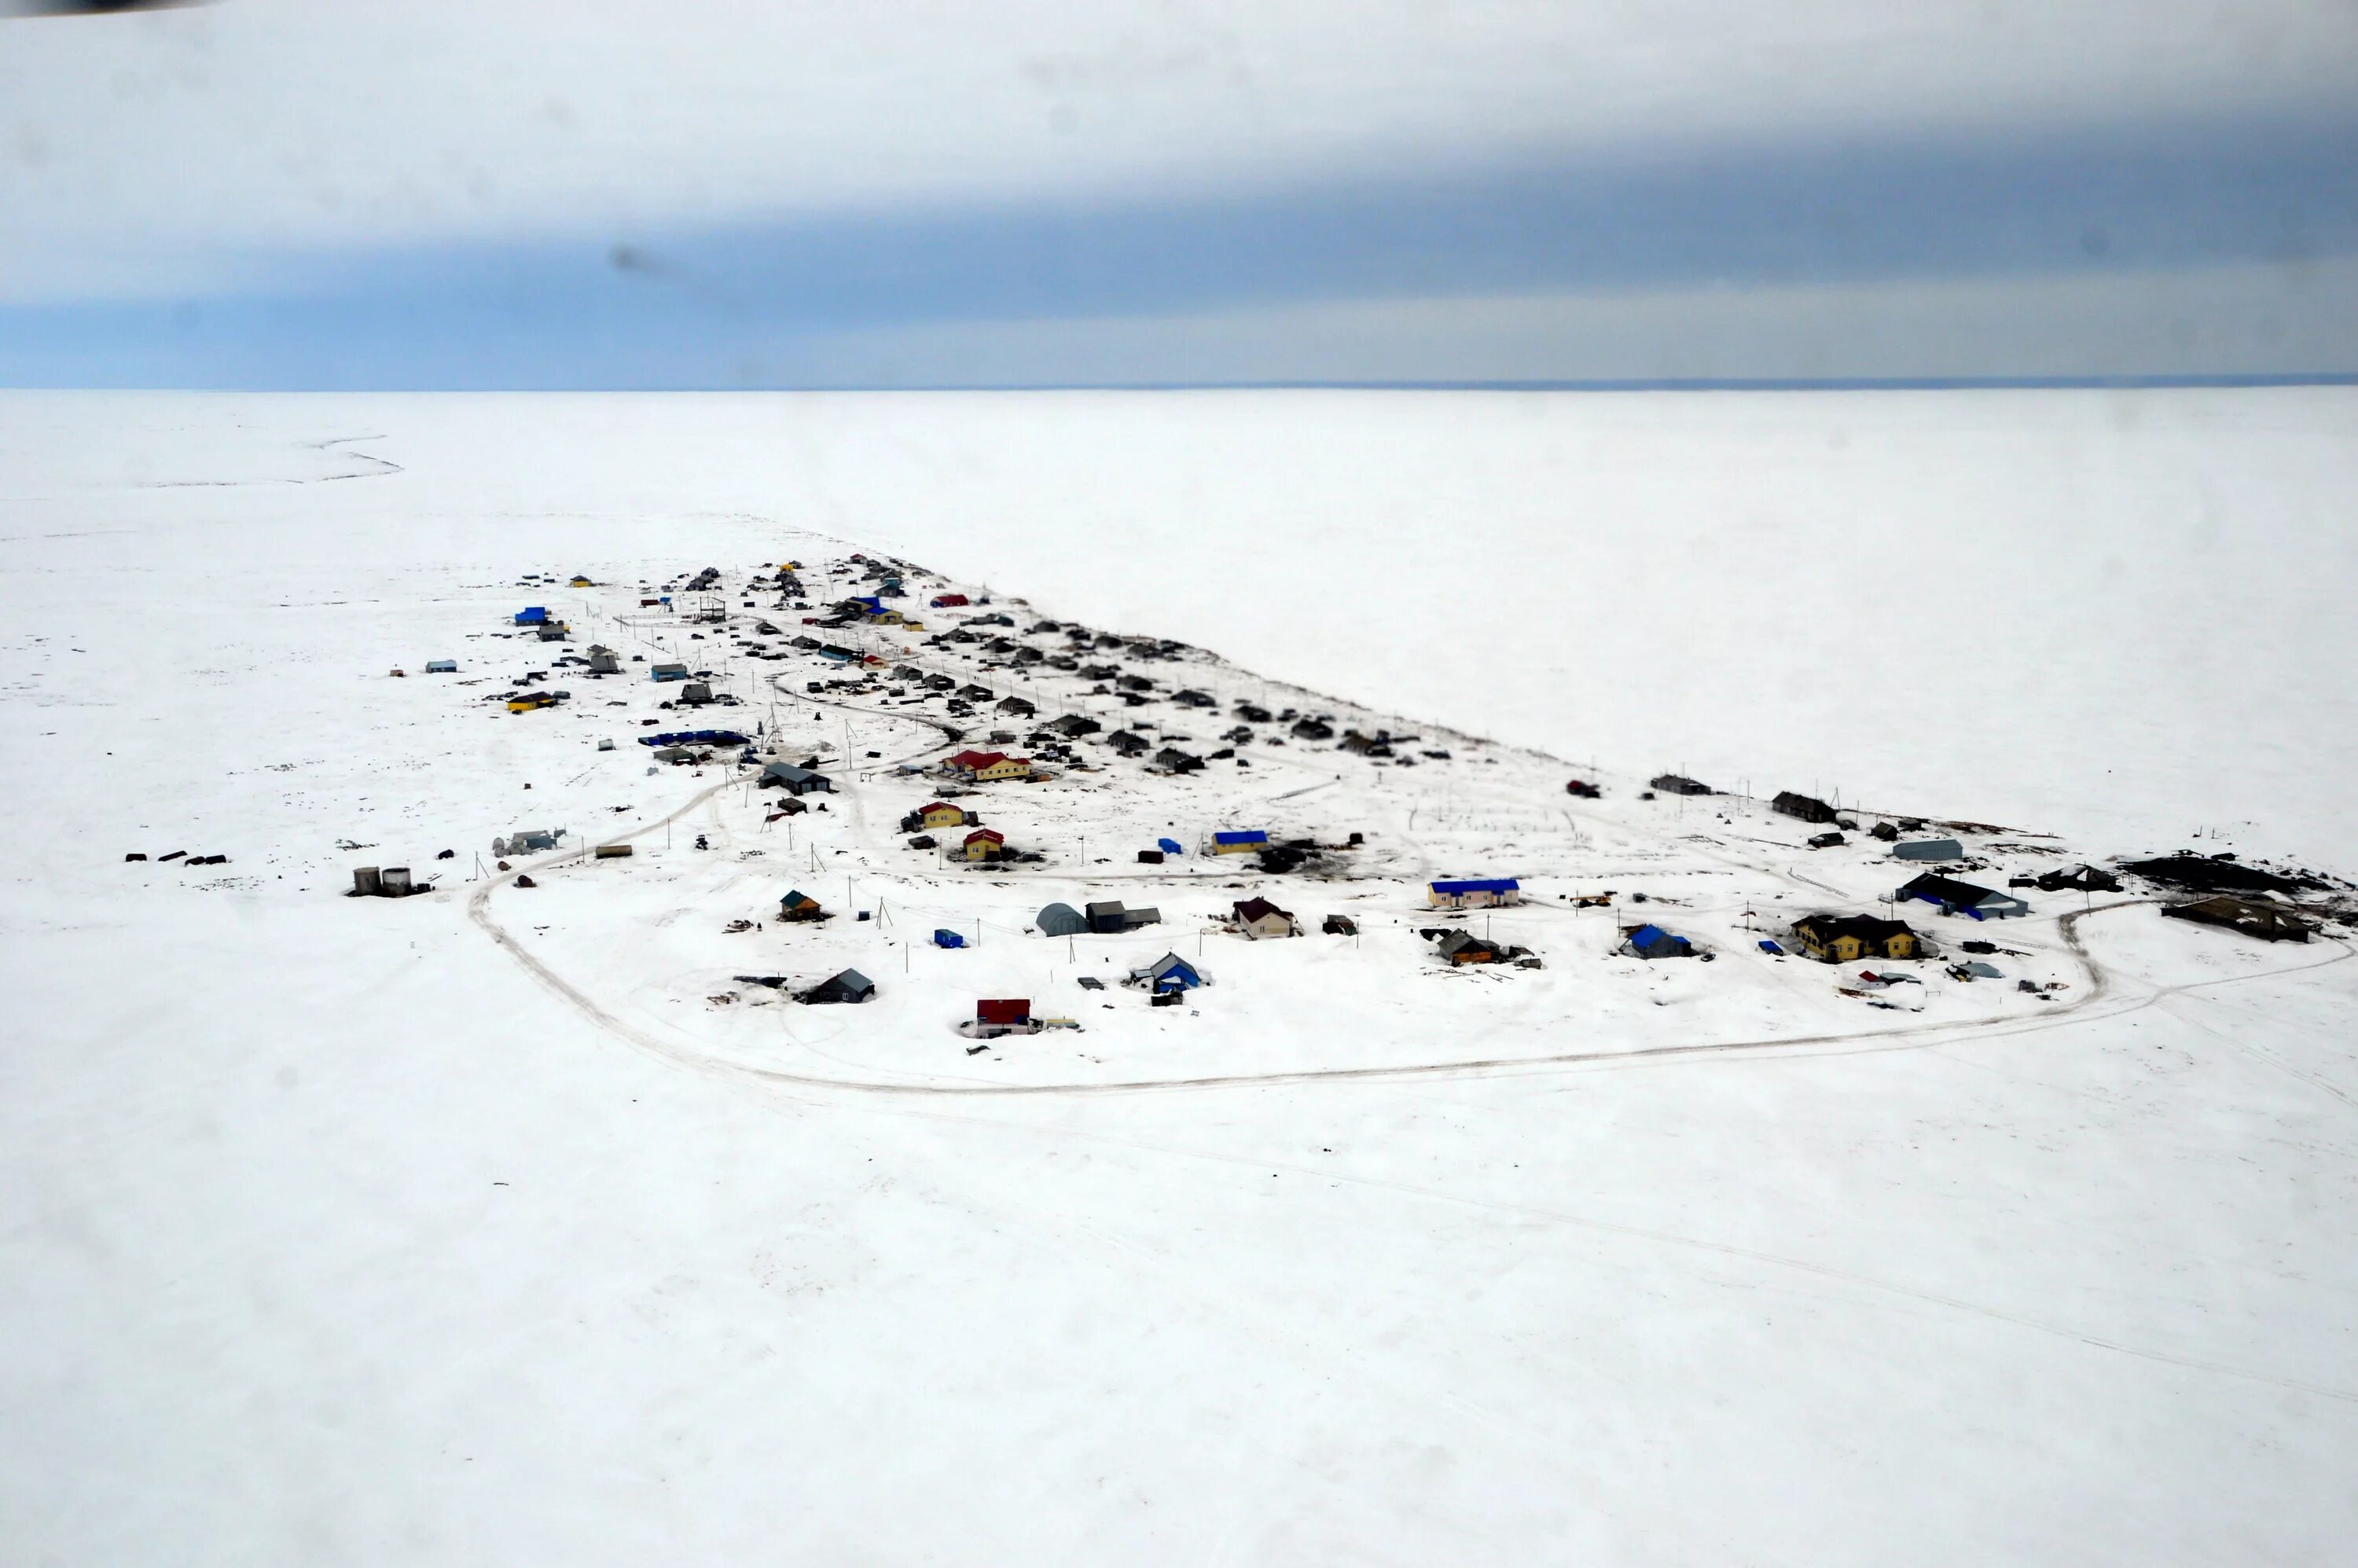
(594, 194)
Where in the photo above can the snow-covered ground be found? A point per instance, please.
(471, 1227)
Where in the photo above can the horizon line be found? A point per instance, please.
(2129, 382)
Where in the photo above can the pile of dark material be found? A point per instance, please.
(2217, 873)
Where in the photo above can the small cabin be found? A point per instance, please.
(984, 844)
(851, 985)
(1808, 808)
(1245, 841)
(441, 667)
(1258, 919)
(796, 780)
(1167, 974)
(667, 672)
(1651, 941)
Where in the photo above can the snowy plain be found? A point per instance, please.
(331, 1235)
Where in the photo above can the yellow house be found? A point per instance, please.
(983, 767)
(985, 844)
(1845, 939)
(942, 814)
(531, 701)
(583, 582)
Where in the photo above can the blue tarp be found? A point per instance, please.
(1169, 845)
(1772, 947)
(532, 615)
(1490, 884)
(694, 738)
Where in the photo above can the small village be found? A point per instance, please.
(1028, 846)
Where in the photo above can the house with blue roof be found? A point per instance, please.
(1474, 893)
(1652, 942)
(1247, 841)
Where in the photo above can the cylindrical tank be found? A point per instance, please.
(396, 881)
(365, 882)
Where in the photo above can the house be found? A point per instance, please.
(940, 814)
(798, 906)
(993, 1018)
(667, 672)
(1676, 784)
(1246, 841)
(1073, 726)
(441, 667)
(851, 985)
(1193, 699)
(1126, 743)
(1827, 840)
(1846, 938)
(1258, 918)
(554, 631)
(580, 582)
(798, 780)
(1789, 803)
(603, 661)
(1313, 729)
(2080, 879)
(1928, 850)
(1459, 948)
(983, 767)
(947, 602)
(1109, 918)
(975, 693)
(2253, 919)
(1061, 919)
(1651, 941)
(1172, 759)
(1340, 925)
(1955, 897)
(531, 701)
(1168, 974)
(1020, 707)
(694, 694)
(1476, 894)
(532, 615)
(984, 844)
